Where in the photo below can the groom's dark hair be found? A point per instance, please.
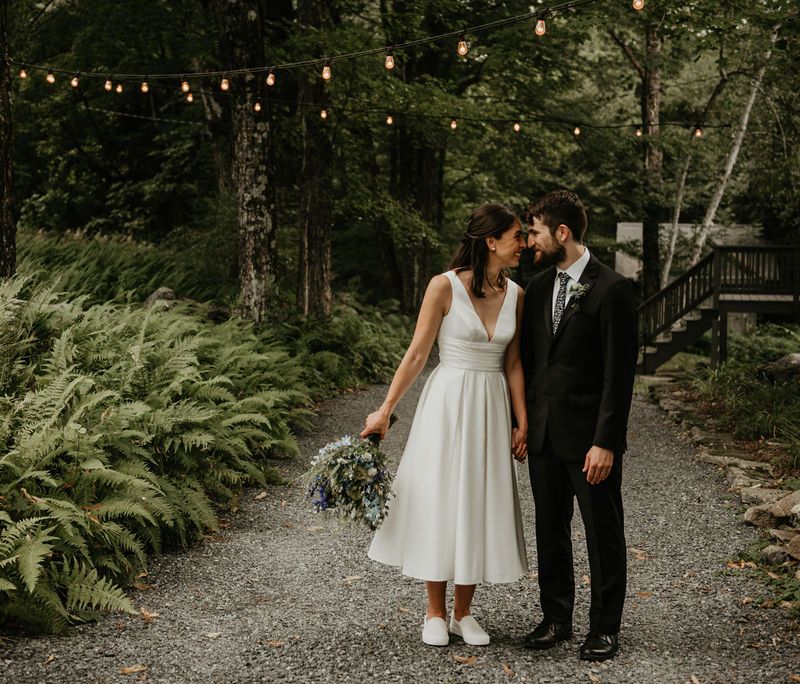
(557, 207)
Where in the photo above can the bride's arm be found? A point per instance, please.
(435, 305)
(516, 384)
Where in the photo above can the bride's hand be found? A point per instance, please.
(377, 423)
(519, 443)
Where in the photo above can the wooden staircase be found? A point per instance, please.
(750, 278)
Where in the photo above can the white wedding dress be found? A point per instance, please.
(456, 515)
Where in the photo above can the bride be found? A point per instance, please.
(456, 516)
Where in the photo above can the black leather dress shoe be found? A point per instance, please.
(600, 646)
(548, 634)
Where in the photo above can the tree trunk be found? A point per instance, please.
(653, 159)
(733, 154)
(315, 215)
(8, 230)
(676, 215)
(252, 167)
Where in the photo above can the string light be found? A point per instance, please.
(326, 70)
(698, 132)
(271, 78)
(638, 132)
(257, 106)
(22, 72)
(541, 28)
(144, 87)
(462, 48)
(75, 80)
(324, 114)
(118, 88)
(638, 5)
(225, 84)
(576, 131)
(517, 127)
(453, 124)
(389, 119)
(108, 84)
(389, 63)
(189, 98)
(50, 78)
(185, 87)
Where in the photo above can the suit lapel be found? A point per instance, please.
(587, 278)
(547, 300)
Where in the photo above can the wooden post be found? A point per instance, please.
(8, 229)
(715, 342)
(723, 337)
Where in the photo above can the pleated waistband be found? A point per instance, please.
(479, 356)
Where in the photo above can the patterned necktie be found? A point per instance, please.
(561, 300)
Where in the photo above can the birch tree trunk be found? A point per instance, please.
(252, 165)
(733, 154)
(8, 231)
(676, 215)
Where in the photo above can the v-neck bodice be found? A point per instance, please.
(463, 339)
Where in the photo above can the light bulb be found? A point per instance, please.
(271, 78)
(324, 114)
(50, 78)
(185, 87)
(698, 132)
(541, 28)
(389, 120)
(144, 87)
(108, 84)
(224, 84)
(189, 98)
(257, 106)
(389, 62)
(638, 132)
(638, 5)
(118, 88)
(326, 71)
(74, 81)
(576, 131)
(462, 48)
(454, 124)
(23, 73)
(517, 127)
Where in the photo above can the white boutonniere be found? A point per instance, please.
(578, 291)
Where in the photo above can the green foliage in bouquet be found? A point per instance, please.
(350, 476)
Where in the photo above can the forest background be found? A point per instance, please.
(298, 222)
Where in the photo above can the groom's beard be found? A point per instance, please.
(556, 255)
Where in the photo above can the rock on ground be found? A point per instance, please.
(285, 595)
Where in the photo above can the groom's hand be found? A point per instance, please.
(598, 464)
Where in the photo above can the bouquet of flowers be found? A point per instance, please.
(351, 477)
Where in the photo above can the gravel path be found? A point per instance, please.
(285, 595)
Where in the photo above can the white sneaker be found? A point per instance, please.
(434, 632)
(469, 630)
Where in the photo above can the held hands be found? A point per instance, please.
(598, 464)
(519, 443)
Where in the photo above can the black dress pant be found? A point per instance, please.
(556, 482)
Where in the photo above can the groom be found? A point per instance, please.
(579, 351)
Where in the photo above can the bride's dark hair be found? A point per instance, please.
(490, 220)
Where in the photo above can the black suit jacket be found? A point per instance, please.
(579, 382)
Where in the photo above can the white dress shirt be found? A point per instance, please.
(574, 272)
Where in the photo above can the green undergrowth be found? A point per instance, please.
(782, 580)
(123, 430)
(754, 405)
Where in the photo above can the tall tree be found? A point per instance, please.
(8, 231)
(648, 69)
(243, 44)
(733, 153)
(315, 212)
